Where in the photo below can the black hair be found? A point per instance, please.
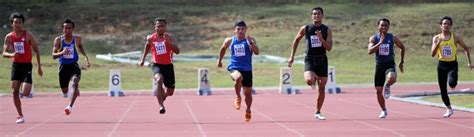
(16, 15)
(318, 8)
(383, 19)
(69, 21)
(158, 19)
(446, 18)
(240, 23)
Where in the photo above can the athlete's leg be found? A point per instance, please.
(16, 96)
(380, 97)
(453, 78)
(237, 78)
(26, 89)
(310, 78)
(248, 97)
(75, 88)
(159, 89)
(321, 88)
(442, 83)
(391, 78)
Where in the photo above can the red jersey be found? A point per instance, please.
(161, 51)
(21, 46)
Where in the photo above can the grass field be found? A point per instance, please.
(201, 28)
(465, 100)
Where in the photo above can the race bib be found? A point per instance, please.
(447, 52)
(384, 49)
(19, 47)
(69, 52)
(315, 41)
(239, 50)
(160, 48)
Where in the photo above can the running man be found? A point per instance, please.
(242, 47)
(318, 41)
(65, 48)
(163, 45)
(21, 41)
(382, 45)
(445, 47)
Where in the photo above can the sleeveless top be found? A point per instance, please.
(314, 46)
(240, 55)
(385, 52)
(71, 56)
(21, 46)
(447, 49)
(161, 50)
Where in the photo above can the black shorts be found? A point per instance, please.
(247, 77)
(66, 71)
(317, 64)
(381, 71)
(22, 72)
(167, 71)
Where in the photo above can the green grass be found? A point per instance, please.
(464, 100)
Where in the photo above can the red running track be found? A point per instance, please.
(353, 113)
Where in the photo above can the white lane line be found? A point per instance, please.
(280, 124)
(358, 121)
(195, 119)
(413, 115)
(193, 115)
(39, 124)
(124, 115)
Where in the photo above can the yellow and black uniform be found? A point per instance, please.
(447, 66)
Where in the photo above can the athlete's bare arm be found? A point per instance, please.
(435, 45)
(32, 42)
(172, 42)
(400, 45)
(81, 49)
(295, 43)
(253, 44)
(327, 44)
(459, 41)
(6, 47)
(145, 50)
(224, 47)
(373, 47)
(56, 53)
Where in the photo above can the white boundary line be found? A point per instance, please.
(39, 124)
(358, 121)
(125, 114)
(280, 124)
(191, 112)
(413, 115)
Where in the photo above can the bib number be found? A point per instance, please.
(160, 48)
(315, 41)
(239, 50)
(384, 49)
(69, 52)
(447, 52)
(19, 47)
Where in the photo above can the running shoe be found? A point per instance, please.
(20, 120)
(386, 92)
(237, 103)
(247, 116)
(319, 116)
(448, 113)
(383, 114)
(68, 110)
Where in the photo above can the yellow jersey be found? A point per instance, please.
(447, 49)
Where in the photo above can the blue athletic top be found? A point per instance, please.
(71, 56)
(385, 52)
(240, 55)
